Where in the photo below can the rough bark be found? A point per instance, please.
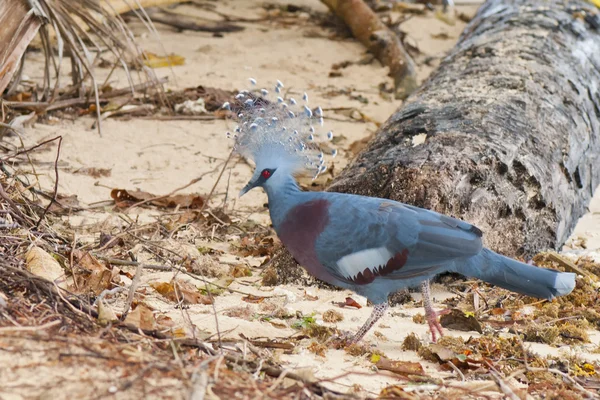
(511, 126)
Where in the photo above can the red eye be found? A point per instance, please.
(266, 173)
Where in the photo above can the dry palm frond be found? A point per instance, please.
(82, 30)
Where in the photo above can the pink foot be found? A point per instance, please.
(434, 324)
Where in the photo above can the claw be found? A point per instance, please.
(434, 324)
(431, 314)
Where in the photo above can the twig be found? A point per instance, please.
(181, 117)
(14, 210)
(200, 380)
(184, 22)
(458, 371)
(134, 285)
(134, 88)
(216, 182)
(53, 200)
(18, 153)
(30, 328)
(182, 270)
(504, 388)
(573, 382)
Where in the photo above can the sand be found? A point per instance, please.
(161, 156)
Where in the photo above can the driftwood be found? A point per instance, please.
(368, 29)
(510, 122)
(505, 134)
(19, 23)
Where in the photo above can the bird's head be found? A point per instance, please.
(282, 138)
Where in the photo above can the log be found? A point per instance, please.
(381, 41)
(505, 134)
(19, 23)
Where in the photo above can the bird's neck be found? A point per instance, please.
(282, 197)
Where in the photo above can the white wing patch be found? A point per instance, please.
(353, 264)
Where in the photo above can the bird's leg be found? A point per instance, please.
(378, 312)
(430, 313)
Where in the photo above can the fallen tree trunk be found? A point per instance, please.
(511, 128)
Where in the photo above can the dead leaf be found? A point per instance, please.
(253, 299)
(277, 323)
(179, 290)
(155, 61)
(90, 275)
(404, 368)
(460, 321)
(106, 314)
(396, 392)
(309, 296)
(125, 198)
(217, 287)
(443, 353)
(109, 241)
(255, 246)
(240, 271)
(350, 302)
(141, 318)
(462, 361)
(64, 204)
(42, 264)
(213, 98)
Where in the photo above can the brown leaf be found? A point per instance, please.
(240, 271)
(64, 204)
(256, 246)
(405, 368)
(310, 297)
(109, 241)
(42, 264)
(253, 299)
(350, 302)
(141, 318)
(396, 392)
(460, 321)
(179, 290)
(106, 314)
(462, 361)
(125, 198)
(90, 274)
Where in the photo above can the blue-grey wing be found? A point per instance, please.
(385, 238)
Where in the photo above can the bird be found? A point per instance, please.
(371, 246)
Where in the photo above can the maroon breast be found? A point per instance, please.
(299, 231)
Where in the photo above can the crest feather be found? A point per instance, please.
(280, 132)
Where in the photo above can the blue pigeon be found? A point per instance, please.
(369, 245)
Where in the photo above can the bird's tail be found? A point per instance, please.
(516, 276)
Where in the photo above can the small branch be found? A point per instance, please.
(216, 182)
(8, 329)
(134, 285)
(184, 22)
(53, 200)
(380, 40)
